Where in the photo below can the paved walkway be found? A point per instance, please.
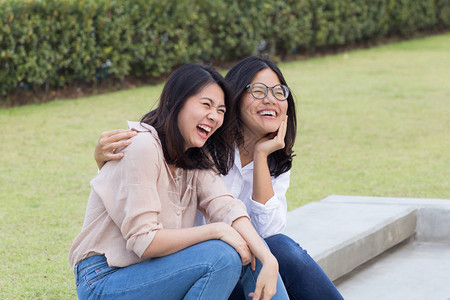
(410, 271)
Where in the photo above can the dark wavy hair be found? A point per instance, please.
(183, 83)
(242, 74)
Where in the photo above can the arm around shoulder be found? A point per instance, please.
(110, 141)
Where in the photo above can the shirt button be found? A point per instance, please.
(178, 212)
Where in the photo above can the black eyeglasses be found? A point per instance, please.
(260, 90)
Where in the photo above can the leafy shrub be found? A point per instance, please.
(53, 43)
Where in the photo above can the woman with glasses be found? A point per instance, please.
(264, 131)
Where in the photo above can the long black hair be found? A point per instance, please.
(183, 83)
(242, 74)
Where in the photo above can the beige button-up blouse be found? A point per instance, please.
(132, 198)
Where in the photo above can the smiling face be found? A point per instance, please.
(264, 116)
(201, 115)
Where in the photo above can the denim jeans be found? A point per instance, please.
(208, 270)
(302, 276)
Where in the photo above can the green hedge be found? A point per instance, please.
(52, 43)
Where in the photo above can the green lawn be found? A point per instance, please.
(371, 122)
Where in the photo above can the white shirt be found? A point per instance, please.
(268, 219)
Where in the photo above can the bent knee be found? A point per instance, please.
(282, 242)
(286, 250)
(224, 256)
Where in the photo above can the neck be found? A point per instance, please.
(247, 148)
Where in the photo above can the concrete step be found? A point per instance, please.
(341, 236)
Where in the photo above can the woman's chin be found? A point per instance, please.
(196, 144)
(269, 130)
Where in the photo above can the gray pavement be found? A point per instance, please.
(412, 270)
(378, 247)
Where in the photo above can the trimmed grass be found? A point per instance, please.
(371, 122)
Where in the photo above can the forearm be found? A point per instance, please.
(254, 241)
(268, 275)
(168, 241)
(262, 184)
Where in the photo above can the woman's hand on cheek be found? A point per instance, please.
(109, 141)
(273, 141)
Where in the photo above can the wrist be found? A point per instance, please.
(216, 230)
(259, 155)
(269, 260)
(100, 164)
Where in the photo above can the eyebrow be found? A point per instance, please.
(213, 102)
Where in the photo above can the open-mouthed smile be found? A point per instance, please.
(204, 130)
(268, 113)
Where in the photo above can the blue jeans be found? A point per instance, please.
(302, 276)
(208, 270)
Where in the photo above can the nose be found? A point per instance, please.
(212, 115)
(270, 98)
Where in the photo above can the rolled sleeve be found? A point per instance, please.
(270, 218)
(140, 222)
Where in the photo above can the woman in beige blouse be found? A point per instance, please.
(138, 238)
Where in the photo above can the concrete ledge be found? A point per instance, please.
(433, 225)
(341, 236)
(356, 252)
(433, 215)
(411, 202)
(347, 234)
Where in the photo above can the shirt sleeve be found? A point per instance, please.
(128, 189)
(270, 218)
(214, 200)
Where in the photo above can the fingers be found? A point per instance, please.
(264, 296)
(116, 145)
(108, 142)
(281, 134)
(108, 134)
(268, 293)
(114, 139)
(253, 265)
(273, 141)
(113, 136)
(282, 130)
(261, 295)
(113, 156)
(245, 254)
(266, 283)
(258, 291)
(285, 126)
